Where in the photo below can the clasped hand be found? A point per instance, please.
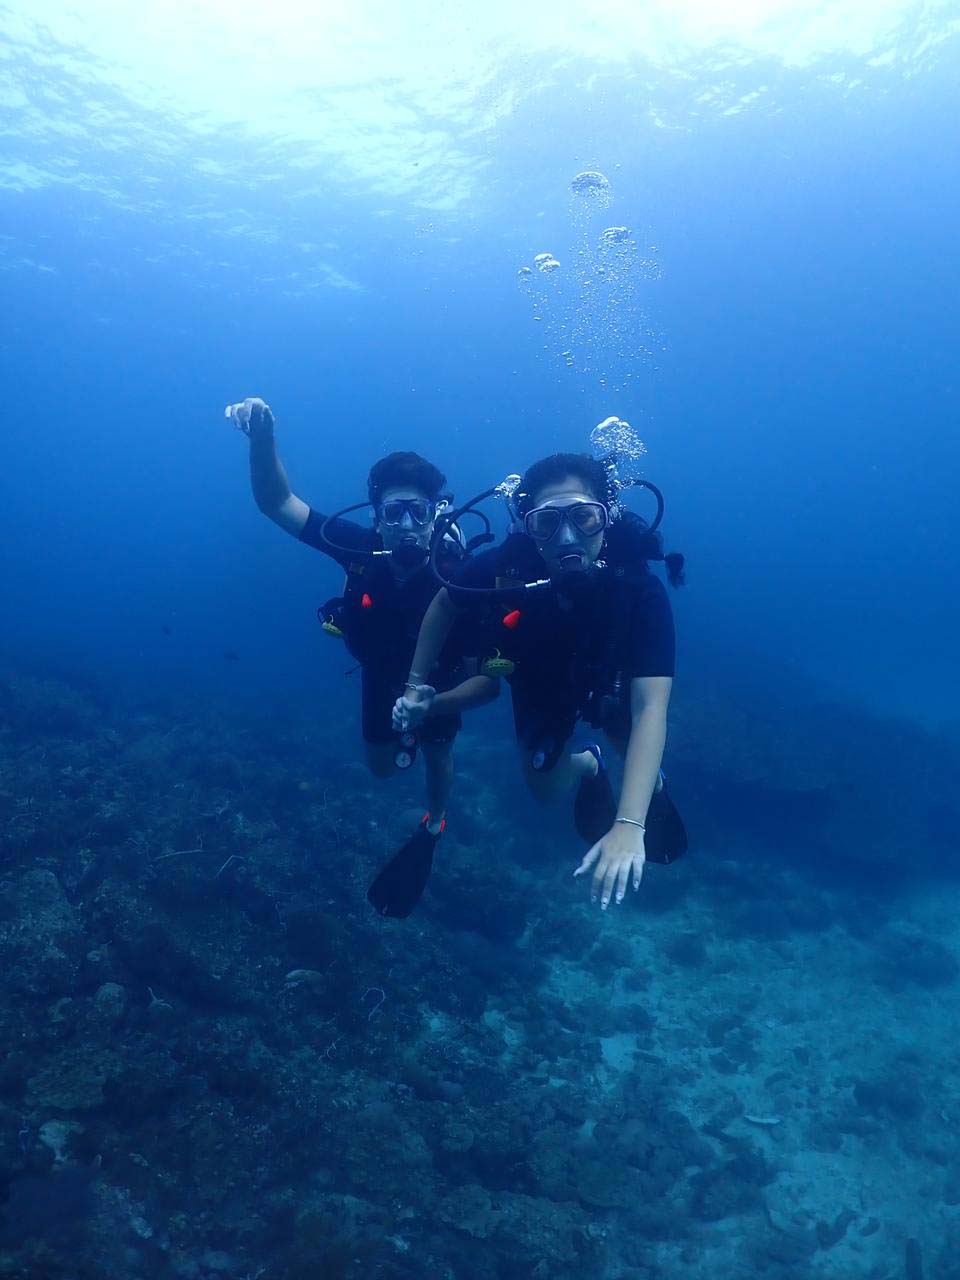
(410, 710)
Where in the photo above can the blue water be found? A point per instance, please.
(331, 212)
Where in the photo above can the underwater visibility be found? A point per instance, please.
(479, 720)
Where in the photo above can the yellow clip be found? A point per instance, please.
(331, 628)
(497, 666)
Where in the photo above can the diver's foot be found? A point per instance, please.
(400, 885)
(595, 808)
(587, 762)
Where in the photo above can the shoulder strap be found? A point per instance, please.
(354, 582)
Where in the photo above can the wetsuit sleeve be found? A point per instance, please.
(653, 646)
(345, 533)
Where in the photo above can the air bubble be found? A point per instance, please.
(617, 444)
(615, 235)
(545, 262)
(591, 183)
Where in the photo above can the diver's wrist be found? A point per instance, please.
(261, 437)
(631, 822)
(419, 695)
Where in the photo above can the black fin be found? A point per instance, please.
(665, 839)
(400, 885)
(595, 806)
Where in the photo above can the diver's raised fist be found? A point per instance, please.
(252, 416)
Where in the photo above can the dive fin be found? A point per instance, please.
(665, 839)
(400, 885)
(595, 806)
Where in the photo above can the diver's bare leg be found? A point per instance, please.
(438, 759)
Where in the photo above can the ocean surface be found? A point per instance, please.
(376, 217)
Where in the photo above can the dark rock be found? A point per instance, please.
(718, 1195)
(831, 1233)
(15, 1069)
(633, 1019)
(109, 1005)
(891, 1094)
(602, 1184)
(719, 1028)
(789, 1249)
(662, 890)
(916, 959)
(809, 914)
(537, 1232)
(41, 940)
(730, 1188)
(72, 1079)
(686, 949)
(314, 938)
(216, 770)
(154, 956)
(326, 1245)
(726, 1066)
(52, 1209)
(946, 1265)
(611, 954)
(636, 979)
(767, 920)
(912, 1261)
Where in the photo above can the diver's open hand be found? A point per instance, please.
(617, 860)
(252, 416)
(410, 711)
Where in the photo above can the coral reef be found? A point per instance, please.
(218, 1063)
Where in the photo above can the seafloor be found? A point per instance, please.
(218, 1063)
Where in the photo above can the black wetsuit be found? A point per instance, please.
(380, 618)
(575, 652)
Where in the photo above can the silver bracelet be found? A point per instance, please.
(632, 822)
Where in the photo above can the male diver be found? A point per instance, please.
(388, 588)
(584, 631)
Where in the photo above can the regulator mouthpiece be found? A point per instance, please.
(409, 554)
(572, 563)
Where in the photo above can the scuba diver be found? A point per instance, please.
(387, 590)
(572, 616)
